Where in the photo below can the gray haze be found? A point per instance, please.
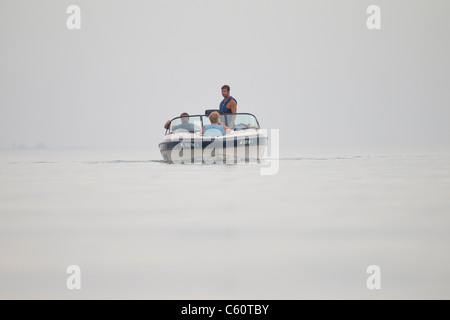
(310, 68)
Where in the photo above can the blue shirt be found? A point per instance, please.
(214, 130)
(223, 105)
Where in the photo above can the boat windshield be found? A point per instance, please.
(192, 124)
(241, 121)
(187, 124)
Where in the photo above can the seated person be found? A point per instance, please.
(185, 125)
(215, 128)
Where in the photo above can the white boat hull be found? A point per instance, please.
(238, 146)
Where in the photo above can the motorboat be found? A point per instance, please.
(184, 142)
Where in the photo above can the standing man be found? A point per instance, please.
(228, 105)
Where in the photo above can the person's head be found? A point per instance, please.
(226, 91)
(214, 117)
(184, 117)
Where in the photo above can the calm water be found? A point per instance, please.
(139, 228)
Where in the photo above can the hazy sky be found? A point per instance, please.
(309, 68)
